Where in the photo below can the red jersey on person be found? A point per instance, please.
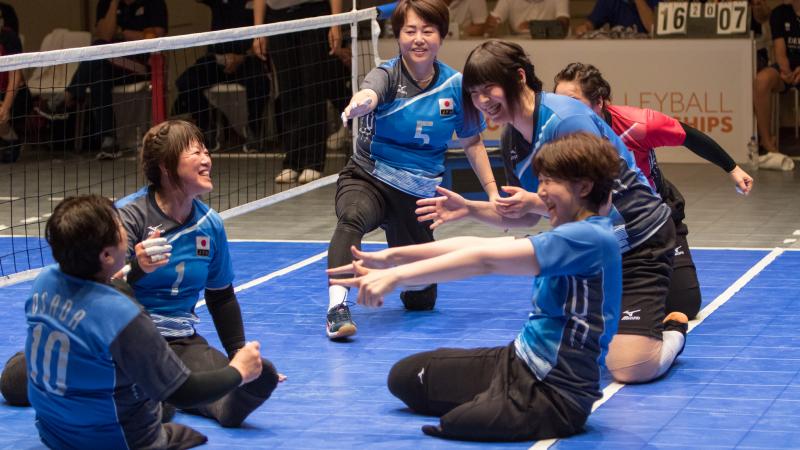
(642, 130)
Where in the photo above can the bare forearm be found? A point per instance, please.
(646, 14)
(259, 8)
(511, 257)
(479, 160)
(107, 26)
(411, 253)
(336, 6)
(486, 213)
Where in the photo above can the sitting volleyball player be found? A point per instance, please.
(98, 368)
(180, 248)
(543, 384)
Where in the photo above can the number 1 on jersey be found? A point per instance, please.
(176, 286)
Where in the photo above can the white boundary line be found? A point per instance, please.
(277, 273)
(737, 285)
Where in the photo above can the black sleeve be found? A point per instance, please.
(705, 147)
(144, 357)
(227, 316)
(157, 15)
(205, 387)
(378, 80)
(102, 9)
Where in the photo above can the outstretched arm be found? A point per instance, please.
(707, 148)
(451, 207)
(510, 257)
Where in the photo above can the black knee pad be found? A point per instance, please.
(423, 300)
(14, 381)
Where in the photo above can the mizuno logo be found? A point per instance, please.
(629, 315)
(678, 251)
(421, 374)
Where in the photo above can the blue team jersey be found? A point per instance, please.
(404, 140)
(200, 259)
(640, 209)
(88, 389)
(576, 303)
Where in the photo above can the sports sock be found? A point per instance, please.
(337, 295)
(671, 345)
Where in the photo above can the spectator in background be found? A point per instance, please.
(639, 14)
(303, 65)
(8, 17)
(15, 98)
(469, 15)
(517, 13)
(226, 62)
(117, 21)
(784, 23)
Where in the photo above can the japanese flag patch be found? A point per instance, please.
(203, 245)
(445, 106)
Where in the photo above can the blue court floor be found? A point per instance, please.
(737, 385)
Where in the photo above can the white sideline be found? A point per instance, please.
(614, 387)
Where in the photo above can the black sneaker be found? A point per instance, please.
(423, 300)
(340, 324)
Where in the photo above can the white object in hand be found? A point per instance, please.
(157, 249)
(366, 102)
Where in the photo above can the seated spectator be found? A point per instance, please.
(517, 13)
(8, 17)
(117, 21)
(784, 22)
(114, 368)
(639, 14)
(224, 63)
(469, 15)
(15, 98)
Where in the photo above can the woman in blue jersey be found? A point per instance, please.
(178, 168)
(113, 367)
(411, 106)
(543, 384)
(180, 249)
(501, 83)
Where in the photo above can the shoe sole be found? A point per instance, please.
(344, 331)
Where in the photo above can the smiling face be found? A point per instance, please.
(563, 198)
(573, 89)
(490, 99)
(419, 43)
(194, 170)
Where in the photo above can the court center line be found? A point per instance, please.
(721, 299)
(277, 273)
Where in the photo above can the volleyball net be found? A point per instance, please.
(80, 112)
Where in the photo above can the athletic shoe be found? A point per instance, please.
(286, 176)
(308, 175)
(340, 324)
(59, 111)
(108, 149)
(677, 321)
(339, 139)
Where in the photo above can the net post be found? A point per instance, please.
(157, 76)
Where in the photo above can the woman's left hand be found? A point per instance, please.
(744, 182)
(334, 39)
(372, 284)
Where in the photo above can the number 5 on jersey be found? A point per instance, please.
(419, 134)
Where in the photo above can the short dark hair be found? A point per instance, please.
(78, 231)
(594, 87)
(497, 62)
(163, 144)
(581, 156)
(435, 12)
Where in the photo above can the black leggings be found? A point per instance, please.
(483, 394)
(684, 287)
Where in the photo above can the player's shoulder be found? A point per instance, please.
(137, 199)
(206, 214)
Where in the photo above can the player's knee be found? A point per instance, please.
(423, 300)
(14, 381)
(406, 380)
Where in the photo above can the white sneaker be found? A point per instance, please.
(286, 176)
(308, 175)
(339, 139)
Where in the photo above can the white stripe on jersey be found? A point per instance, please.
(419, 97)
(191, 228)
